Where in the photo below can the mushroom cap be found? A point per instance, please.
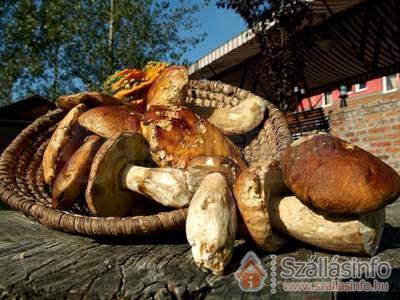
(131, 82)
(137, 105)
(335, 176)
(67, 137)
(90, 99)
(217, 162)
(104, 194)
(240, 119)
(71, 181)
(170, 88)
(253, 190)
(110, 121)
(177, 135)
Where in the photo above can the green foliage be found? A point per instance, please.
(54, 47)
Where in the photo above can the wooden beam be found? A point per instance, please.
(251, 60)
(364, 34)
(215, 74)
(243, 79)
(377, 48)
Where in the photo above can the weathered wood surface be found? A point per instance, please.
(40, 263)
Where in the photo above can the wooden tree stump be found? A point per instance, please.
(40, 263)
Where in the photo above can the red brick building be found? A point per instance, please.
(371, 118)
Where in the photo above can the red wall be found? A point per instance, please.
(373, 86)
(371, 119)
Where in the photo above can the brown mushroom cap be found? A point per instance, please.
(67, 137)
(170, 88)
(217, 162)
(337, 177)
(71, 181)
(90, 99)
(104, 194)
(137, 106)
(110, 121)
(177, 135)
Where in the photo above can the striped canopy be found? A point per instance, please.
(349, 41)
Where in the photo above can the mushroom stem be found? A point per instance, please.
(167, 186)
(357, 234)
(211, 224)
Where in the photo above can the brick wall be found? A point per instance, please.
(371, 122)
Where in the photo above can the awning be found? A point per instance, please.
(352, 41)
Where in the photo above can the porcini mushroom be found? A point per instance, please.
(115, 171)
(177, 135)
(168, 186)
(170, 88)
(337, 177)
(110, 121)
(359, 234)
(240, 119)
(253, 190)
(105, 194)
(211, 224)
(266, 214)
(67, 137)
(71, 181)
(90, 99)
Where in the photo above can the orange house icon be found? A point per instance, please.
(251, 274)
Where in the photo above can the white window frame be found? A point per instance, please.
(351, 86)
(385, 90)
(323, 100)
(357, 88)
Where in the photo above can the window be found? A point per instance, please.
(361, 87)
(326, 99)
(390, 83)
(349, 89)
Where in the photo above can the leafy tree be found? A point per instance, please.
(128, 33)
(31, 54)
(54, 47)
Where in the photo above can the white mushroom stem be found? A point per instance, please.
(211, 224)
(359, 234)
(167, 186)
(241, 118)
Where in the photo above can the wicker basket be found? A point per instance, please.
(22, 185)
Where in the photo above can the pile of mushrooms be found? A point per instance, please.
(135, 148)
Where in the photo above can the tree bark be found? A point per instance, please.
(40, 263)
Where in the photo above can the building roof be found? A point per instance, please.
(234, 51)
(27, 109)
(350, 41)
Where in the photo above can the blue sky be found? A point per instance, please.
(219, 24)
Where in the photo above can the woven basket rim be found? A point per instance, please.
(15, 193)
